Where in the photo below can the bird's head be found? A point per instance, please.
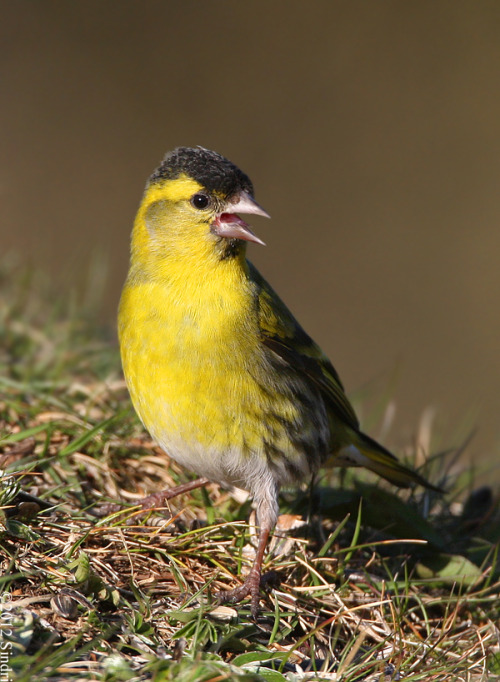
(191, 208)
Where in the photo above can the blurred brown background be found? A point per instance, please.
(371, 131)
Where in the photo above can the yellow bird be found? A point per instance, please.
(219, 371)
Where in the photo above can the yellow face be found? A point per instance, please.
(174, 222)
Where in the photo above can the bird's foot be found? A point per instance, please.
(155, 500)
(249, 588)
(158, 499)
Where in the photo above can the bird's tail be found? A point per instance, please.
(366, 452)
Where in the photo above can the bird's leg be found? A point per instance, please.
(267, 513)
(252, 583)
(159, 499)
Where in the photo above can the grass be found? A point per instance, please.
(364, 582)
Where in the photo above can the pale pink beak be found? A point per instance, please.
(229, 225)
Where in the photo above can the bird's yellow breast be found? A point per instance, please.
(191, 357)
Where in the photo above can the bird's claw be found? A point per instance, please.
(249, 588)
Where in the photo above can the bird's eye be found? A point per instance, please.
(200, 200)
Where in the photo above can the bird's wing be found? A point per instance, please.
(281, 333)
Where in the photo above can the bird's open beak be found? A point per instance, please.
(228, 223)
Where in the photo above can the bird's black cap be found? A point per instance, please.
(210, 169)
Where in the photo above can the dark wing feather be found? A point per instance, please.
(281, 333)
